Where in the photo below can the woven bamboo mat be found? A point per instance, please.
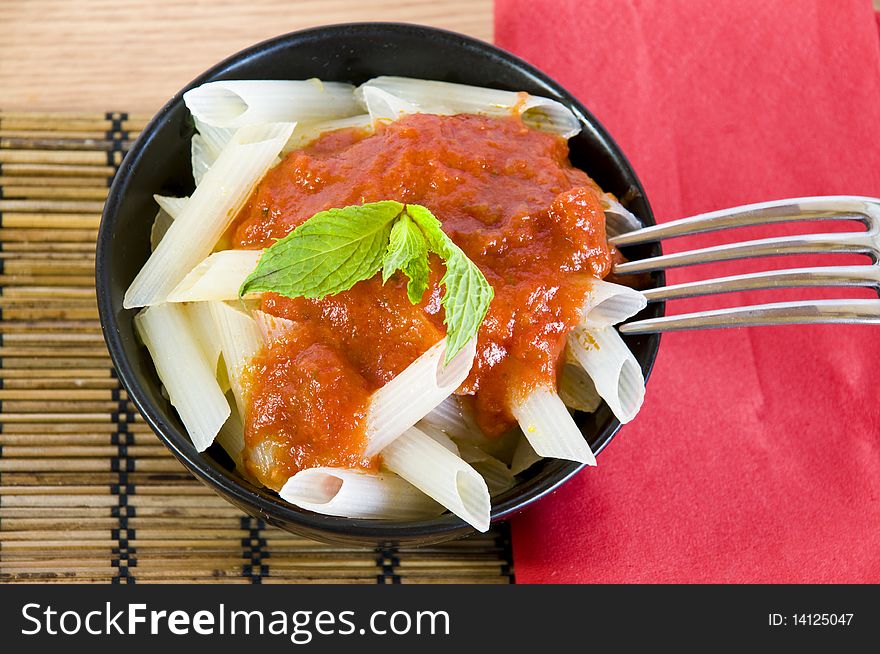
(87, 491)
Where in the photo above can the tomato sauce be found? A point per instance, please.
(505, 193)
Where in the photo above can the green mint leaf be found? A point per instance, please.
(327, 254)
(408, 252)
(467, 294)
(333, 250)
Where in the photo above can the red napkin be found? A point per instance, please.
(756, 457)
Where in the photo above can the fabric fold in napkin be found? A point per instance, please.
(756, 457)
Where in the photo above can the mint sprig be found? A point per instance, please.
(467, 294)
(333, 250)
(329, 253)
(408, 252)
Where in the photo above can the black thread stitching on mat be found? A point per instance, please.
(2, 288)
(118, 138)
(1, 342)
(124, 554)
(253, 550)
(503, 542)
(387, 560)
(112, 118)
(1, 336)
(124, 557)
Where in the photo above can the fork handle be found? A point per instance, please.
(864, 312)
(843, 207)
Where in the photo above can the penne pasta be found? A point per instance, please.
(273, 328)
(201, 158)
(237, 103)
(207, 146)
(451, 418)
(441, 475)
(204, 331)
(612, 367)
(184, 371)
(576, 390)
(497, 475)
(218, 277)
(169, 209)
(240, 340)
(549, 427)
(445, 98)
(454, 418)
(414, 393)
(161, 223)
(440, 437)
(524, 457)
(357, 494)
(171, 205)
(609, 304)
(305, 133)
(208, 212)
(618, 219)
(263, 457)
(382, 106)
(231, 438)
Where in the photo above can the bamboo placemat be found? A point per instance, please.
(87, 491)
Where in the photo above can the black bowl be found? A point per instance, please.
(159, 162)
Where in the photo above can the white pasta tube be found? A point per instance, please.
(497, 475)
(171, 205)
(416, 391)
(264, 458)
(169, 209)
(231, 438)
(444, 98)
(576, 389)
(357, 494)
(382, 106)
(273, 328)
(219, 277)
(161, 223)
(208, 212)
(438, 436)
(450, 417)
(207, 146)
(440, 474)
(184, 371)
(612, 367)
(205, 332)
(236, 103)
(618, 219)
(240, 339)
(201, 158)
(549, 427)
(524, 457)
(609, 304)
(454, 418)
(305, 133)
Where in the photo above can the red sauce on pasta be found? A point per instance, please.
(505, 193)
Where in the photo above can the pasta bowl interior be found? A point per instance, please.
(226, 259)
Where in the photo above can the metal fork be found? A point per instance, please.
(851, 208)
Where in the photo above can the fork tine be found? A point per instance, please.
(863, 209)
(795, 277)
(859, 242)
(780, 313)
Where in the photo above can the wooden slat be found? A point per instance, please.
(60, 54)
(53, 157)
(37, 169)
(42, 220)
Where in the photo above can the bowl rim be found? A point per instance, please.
(260, 504)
